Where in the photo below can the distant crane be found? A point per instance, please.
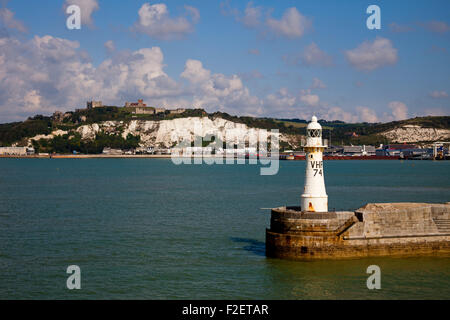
(438, 149)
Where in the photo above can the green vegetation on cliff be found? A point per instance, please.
(369, 133)
(17, 131)
(339, 132)
(69, 144)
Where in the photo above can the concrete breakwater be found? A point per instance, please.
(377, 229)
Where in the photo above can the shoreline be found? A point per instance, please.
(87, 156)
(168, 156)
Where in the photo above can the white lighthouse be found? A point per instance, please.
(314, 197)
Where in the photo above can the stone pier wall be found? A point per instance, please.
(373, 230)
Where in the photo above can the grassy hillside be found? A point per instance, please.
(368, 133)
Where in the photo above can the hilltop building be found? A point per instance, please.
(94, 104)
(139, 107)
(177, 111)
(139, 104)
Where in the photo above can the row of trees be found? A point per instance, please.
(16, 131)
(69, 144)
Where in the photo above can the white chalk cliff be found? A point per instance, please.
(168, 133)
(413, 133)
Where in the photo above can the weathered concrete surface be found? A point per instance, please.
(377, 229)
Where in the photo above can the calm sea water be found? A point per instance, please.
(147, 229)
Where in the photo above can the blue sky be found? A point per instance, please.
(286, 59)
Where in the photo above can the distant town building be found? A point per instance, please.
(352, 150)
(94, 104)
(145, 150)
(16, 151)
(398, 150)
(333, 150)
(162, 151)
(110, 151)
(359, 150)
(160, 110)
(177, 111)
(144, 110)
(351, 134)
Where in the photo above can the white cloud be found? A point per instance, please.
(314, 56)
(337, 113)
(45, 74)
(438, 94)
(304, 105)
(369, 56)
(155, 21)
(254, 74)
(139, 73)
(283, 104)
(282, 99)
(216, 91)
(437, 49)
(292, 24)
(193, 12)
(227, 10)
(87, 8)
(32, 100)
(40, 74)
(110, 46)
(399, 110)
(308, 98)
(436, 26)
(8, 21)
(252, 16)
(399, 28)
(195, 73)
(437, 112)
(318, 84)
(366, 114)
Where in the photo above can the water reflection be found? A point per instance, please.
(252, 245)
(346, 279)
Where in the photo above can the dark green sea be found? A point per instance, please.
(148, 229)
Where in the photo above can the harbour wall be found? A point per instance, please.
(377, 229)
